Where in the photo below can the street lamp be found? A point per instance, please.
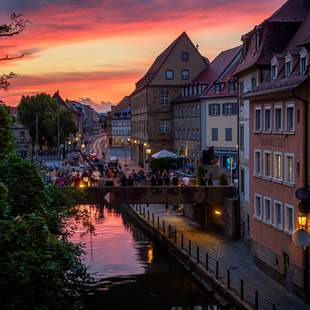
(148, 151)
(302, 221)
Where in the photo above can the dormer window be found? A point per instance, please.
(303, 64)
(218, 88)
(257, 40)
(232, 85)
(273, 72)
(288, 68)
(303, 54)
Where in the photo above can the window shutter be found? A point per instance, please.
(234, 108)
(218, 109)
(210, 109)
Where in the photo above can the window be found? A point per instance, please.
(257, 163)
(214, 133)
(303, 64)
(184, 74)
(273, 72)
(228, 134)
(288, 68)
(257, 40)
(218, 88)
(169, 74)
(253, 83)
(184, 56)
(164, 97)
(278, 222)
(229, 109)
(241, 135)
(278, 119)
(277, 171)
(267, 210)
(214, 109)
(267, 164)
(267, 119)
(241, 88)
(258, 206)
(242, 181)
(289, 218)
(258, 119)
(164, 126)
(232, 86)
(289, 168)
(290, 117)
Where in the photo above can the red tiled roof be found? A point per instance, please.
(217, 66)
(274, 36)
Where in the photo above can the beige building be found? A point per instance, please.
(152, 119)
(22, 139)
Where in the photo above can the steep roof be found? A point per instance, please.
(275, 33)
(160, 60)
(217, 66)
(282, 83)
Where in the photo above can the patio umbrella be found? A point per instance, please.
(164, 154)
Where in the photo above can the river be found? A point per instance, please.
(134, 272)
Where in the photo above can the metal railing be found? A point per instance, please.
(209, 262)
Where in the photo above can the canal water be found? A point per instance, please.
(134, 272)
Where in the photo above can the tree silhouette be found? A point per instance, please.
(16, 26)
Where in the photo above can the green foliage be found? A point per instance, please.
(47, 110)
(167, 163)
(6, 137)
(26, 189)
(39, 267)
(222, 179)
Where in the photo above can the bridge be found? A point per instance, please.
(209, 206)
(159, 194)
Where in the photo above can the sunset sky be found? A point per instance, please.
(98, 49)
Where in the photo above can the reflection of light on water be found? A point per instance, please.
(149, 254)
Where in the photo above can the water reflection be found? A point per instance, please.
(132, 271)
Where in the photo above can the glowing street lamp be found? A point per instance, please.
(302, 220)
(148, 151)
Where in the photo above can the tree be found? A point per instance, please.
(16, 26)
(47, 110)
(6, 137)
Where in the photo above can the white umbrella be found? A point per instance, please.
(164, 154)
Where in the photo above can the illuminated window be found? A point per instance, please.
(289, 168)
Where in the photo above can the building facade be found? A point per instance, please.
(259, 46)
(219, 110)
(121, 128)
(279, 146)
(152, 115)
(22, 139)
(186, 116)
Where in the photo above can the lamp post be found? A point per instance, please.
(301, 236)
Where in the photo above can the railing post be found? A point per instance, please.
(169, 231)
(217, 270)
(175, 236)
(189, 247)
(163, 226)
(273, 307)
(256, 300)
(182, 242)
(157, 222)
(153, 220)
(207, 261)
(241, 289)
(148, 215)
(197, 254)
(228, 278)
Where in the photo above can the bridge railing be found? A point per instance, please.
(211, 262)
